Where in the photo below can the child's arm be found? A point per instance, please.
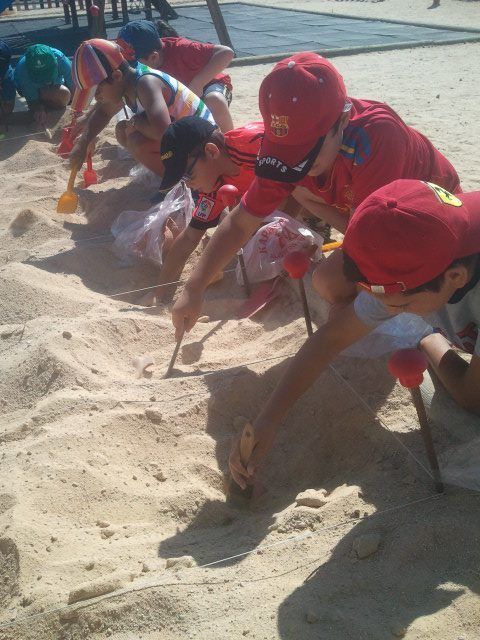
(330, 215)
(221, 58)
(312, 359)
(182, 248)
(95, 122)
(156, 119)
(461, 379)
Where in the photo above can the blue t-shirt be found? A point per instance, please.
(7, 86)
(29, 89)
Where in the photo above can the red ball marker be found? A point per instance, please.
(408, 366)
(94, 10)
(229, 195)
(296, 264)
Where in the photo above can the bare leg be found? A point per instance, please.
(55, 96)
(146, 151)
(218, 105)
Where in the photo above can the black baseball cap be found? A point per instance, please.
(180, 139)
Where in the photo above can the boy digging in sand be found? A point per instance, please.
(339, 149)
(197, 65)
(412, 247)
(155, 97)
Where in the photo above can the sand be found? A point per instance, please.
(106, 476)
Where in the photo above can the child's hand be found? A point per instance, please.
(78, 153)
(186, 310)
(40, 116)
(243, 475)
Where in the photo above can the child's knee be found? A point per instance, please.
(215, 100)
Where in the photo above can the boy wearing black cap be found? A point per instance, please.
(197, 65)
(413, 247)
(196, 151)
(7, 84)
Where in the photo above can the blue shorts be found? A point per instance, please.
(218, 87)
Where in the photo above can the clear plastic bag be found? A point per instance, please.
(139, 173)
(265, 251)
(403, 331)
(146, 235)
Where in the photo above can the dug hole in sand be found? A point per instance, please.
(106, 478)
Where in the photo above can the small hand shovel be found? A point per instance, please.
(90, 175)
(66, 142)
(68, 201)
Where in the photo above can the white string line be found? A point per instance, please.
(376, 417)
(25, 135)
(157, 286)
(155, 583)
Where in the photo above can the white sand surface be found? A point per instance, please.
(105, 476)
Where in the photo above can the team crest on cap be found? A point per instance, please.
(279, 126)
(444, 196)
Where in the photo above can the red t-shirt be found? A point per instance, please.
(183, 59)
(242, 146)
(377, 148)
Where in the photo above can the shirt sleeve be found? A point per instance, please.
(7, 87)
(65, 70)
(194, 55)
(264, 196)
(25, 86)
(207, 212)
(385, 161)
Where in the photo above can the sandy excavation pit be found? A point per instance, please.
(106, 476)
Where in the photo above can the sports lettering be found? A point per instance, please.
(272, 162)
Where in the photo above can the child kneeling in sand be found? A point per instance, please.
(155, 97)
(413, 247)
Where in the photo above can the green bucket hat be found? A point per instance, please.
(41, 63)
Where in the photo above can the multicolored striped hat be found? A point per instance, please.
(94, 61)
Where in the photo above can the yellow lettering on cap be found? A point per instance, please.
(444, 196)
(166, 156)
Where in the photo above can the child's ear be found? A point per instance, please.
(152, 59)
(212, 151)
(457, 276)
(117, 75)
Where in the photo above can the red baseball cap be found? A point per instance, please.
(300, 101)
(408, 232)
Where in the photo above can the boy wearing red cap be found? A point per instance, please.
(338, 149)
(413, 247)
(155, 97)
(198, 65)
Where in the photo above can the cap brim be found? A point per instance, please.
(174, 172)
(286, 163)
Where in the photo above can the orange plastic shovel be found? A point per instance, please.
(90, 175)
(68, 201)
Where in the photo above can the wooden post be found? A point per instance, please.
(73, 11)
(148, 10)
(219, 23)
(114, 10)
(66, 13)
(88, 4)
(123, 4)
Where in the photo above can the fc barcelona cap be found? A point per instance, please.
(41, 63)
(180, 139)
(300, 101)
(408, 232)
(94, 61)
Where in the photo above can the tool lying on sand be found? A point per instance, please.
(408, 366)
(174, 355)
(90, 175)
(47, 132)
(68, 201)
(235, 494)
(296, 264)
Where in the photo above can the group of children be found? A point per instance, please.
(411, 237)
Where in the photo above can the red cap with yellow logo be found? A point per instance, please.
(300, 101)
(408, 232)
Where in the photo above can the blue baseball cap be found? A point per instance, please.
(138, 39)
(5, 57)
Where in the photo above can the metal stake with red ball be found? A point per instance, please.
(230, 196)
(94, 10)
(408, 366)
(296, 264)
